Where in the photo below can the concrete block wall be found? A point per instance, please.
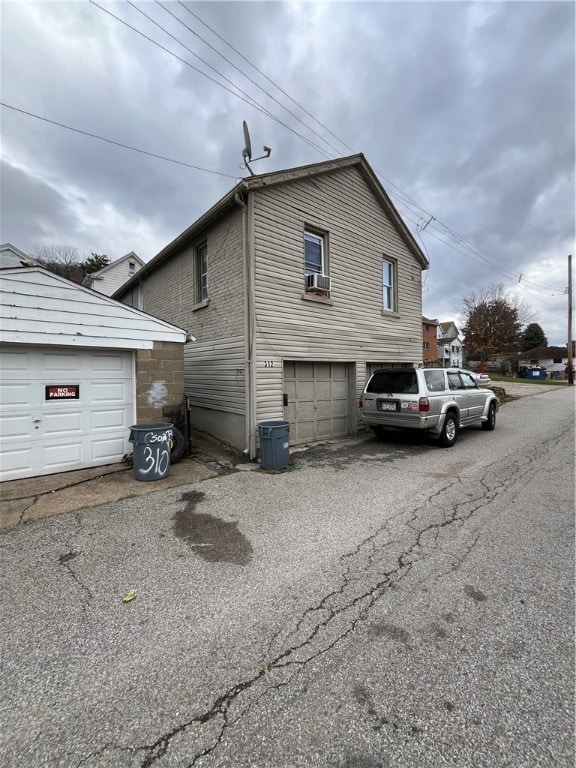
(159, 381)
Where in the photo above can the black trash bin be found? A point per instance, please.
(274, 453)
(152, 446)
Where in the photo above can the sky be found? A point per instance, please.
(465, 110)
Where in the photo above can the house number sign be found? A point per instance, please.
(268, 363)
(62, 392)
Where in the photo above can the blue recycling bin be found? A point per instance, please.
(274, 442)
(533, 372)
(151, 453)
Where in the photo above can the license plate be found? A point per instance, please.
(383, 406)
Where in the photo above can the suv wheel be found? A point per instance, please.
(490, 425)
(449, 431)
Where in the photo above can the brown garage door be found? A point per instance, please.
(318, 400)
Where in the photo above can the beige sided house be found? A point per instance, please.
(295, 285)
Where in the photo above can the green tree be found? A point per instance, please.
(532, 337)
(94, 262)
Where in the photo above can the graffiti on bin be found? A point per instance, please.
(153, 437)
(157, 460)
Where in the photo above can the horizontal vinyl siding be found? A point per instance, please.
(214, 375)
(359, 235)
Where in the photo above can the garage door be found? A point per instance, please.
(318, 400)
(63, 409)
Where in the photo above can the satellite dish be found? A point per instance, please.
(247, 151)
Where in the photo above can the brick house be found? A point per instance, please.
(296, 285)
(429, 340)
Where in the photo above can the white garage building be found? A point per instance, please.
(76, 370)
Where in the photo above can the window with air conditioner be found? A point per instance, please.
(315, 262)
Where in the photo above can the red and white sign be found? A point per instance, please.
(62, 392)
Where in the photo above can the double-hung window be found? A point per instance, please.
(314, 254)
(201, 272)
(388, 285)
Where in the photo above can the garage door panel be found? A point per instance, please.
(103, 363)
(58, 455)
(16, 460)
(13, 394)
(43, 435)
(323, 409)
(322, 390)
(110, 419)
(14, 426)
(108, 392)
(65, 363)
(56, 424)
(340, 426)
(107, 450)
(340, 390)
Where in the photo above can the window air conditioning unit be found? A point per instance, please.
(317, 282)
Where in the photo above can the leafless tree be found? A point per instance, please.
(61, 259)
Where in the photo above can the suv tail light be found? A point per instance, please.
(424, 405)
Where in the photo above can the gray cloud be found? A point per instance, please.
(469, 108)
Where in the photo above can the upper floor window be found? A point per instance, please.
(314, 254)
(201, 272)
(425, 345)
(131, 267)
(388, 285)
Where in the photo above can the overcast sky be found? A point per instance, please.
(465, 110)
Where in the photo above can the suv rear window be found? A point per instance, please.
(435, 381)
(400, 381)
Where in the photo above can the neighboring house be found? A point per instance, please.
(111, 277)
(77, 369)
(10, 256)
(449, 345)
(553, 359)
(429, 340)
(296, 285)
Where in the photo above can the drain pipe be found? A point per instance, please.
(250, 371)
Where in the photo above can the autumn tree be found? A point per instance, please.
(61, 259)
(532, 337)
(492, 323)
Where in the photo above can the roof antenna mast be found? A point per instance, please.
(247, 151)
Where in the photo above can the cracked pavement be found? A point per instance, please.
(402, 605)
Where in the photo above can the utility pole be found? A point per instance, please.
(570, 355)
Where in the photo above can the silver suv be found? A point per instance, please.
(438, 400)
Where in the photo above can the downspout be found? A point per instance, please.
(249, 323)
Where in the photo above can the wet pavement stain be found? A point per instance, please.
(68, 556)
(475, 594)
(389, 632)
(210, 538)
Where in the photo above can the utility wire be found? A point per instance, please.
(295, 116)
(116, 143)
(399, 195)
(250, 102)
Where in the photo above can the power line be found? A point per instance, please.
(402, 197)
(250, 101)
(116, 143)
(295, 116)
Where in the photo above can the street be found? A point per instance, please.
(381, 605)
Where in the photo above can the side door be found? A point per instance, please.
(458, 393)
(476, 397)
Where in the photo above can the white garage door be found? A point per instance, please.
(63, 409)
(318, 400)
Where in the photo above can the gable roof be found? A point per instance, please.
(543, 353)
(131, 256)
(428, 321)
(39, 307)
(264, 180)
(11, 257)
